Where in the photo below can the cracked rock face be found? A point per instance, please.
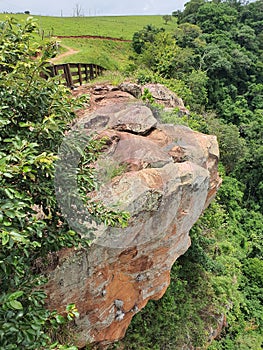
(169, 177)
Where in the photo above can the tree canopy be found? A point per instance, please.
(214, 61)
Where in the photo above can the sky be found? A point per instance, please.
(92, 7)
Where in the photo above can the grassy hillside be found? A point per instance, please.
(109, 54)
(115, 26)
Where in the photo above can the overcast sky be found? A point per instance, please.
(92, 7)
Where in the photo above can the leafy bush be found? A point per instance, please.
(35, 112)
(147, 34)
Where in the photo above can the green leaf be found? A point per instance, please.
(15, 295)
(36, 327)
(10, 214)
(60, 319)
(9, 193)
(7, 223)
(27, 169)
(5, 238)
(8, 175)
(16, 305)
(17, 237)
(24, 125)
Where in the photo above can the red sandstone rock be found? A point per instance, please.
(170, 178)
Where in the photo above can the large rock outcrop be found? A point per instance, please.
(104, 94)
(169, 178)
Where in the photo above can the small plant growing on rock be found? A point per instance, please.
(61, 327)
(108, 169)
(147, 96)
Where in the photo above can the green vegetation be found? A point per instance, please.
(34, 114)
(121, 27)
(88, 181)
(101, 52)
(107, 53)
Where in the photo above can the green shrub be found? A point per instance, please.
(34, 114)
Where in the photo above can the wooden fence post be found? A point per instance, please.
(91, 71)
(68, 75)
(80, 76)
(86, 73)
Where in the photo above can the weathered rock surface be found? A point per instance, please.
(165, 97)
(132, 88)
(102, 95)
(170, 178)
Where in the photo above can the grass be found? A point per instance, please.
(112, 55)
(106, 53)
(112, 77)
(114, 26)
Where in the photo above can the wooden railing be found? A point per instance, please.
(72, 74)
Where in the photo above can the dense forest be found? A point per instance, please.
(213, 60)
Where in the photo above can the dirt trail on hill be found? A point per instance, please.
(92, 37)
(70, 51)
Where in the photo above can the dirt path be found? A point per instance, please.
(70, 51)
(92, 37)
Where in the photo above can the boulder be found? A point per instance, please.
(169, 177)
(165, 97)
(132, 88)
